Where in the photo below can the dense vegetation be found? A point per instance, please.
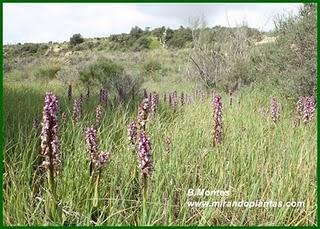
(268, 140)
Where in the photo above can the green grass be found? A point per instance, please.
(258, 160)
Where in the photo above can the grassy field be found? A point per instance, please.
(257, 160)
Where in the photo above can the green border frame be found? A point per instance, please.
(141, 2)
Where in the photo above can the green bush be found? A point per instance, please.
(141, 44)
(76, 39)
(136, 32)
(111, 76)
(68, 75)
(151, 67)
(180, 38)
(47, 71)
(290, 62)
(154, 43)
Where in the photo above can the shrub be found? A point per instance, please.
(151, 67)
(76, 39)
(111, 76)
(141, 44)
(297, 45)
(154, 43)
(47, 71)
(136, 32)
(180, 38)
(27, 49)
(290, 62)
(68, 75)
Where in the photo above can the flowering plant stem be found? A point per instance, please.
(144, 197)
(96, 194)
(51, 203)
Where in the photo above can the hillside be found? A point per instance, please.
(209, 126)
(18, 55)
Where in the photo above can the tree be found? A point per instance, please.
(76, 39)
(216, 62)
(298, 40)
(136, 32)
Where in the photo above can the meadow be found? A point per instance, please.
(119, 130)
(257, 160)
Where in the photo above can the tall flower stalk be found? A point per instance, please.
(145, 163)
(167, 144)
(154, 103)
(182, 99)
(150, 96)
(308, 109)
(69, 92)
(145, 94)
(230, 98)
(300, 105)
(98, 114)
(103, 97)
(88, 92)
(174, 101)
(275, 110)
(217, 107)
(97, 161)
(143, 112)
(132, 133)
(50, 149)
(77, 109)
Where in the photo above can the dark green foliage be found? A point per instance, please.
(158, 32)
(76, 39)
(141, 44)
(151, 66)
(29, 48)
(100, 71)
(136, 32)
(151, 69)
(179, 38)
(47, 71)
(290, 62)
(110, 75)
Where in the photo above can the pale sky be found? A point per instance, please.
(43, 22)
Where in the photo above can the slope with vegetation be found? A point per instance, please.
(267, 149)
